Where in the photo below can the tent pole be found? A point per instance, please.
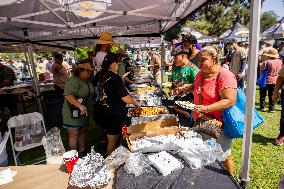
(250, 102)
(36, 85)
(149, 41)
(27, 61)
(32, 64)
(162, 56)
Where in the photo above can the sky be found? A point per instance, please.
(276, 5)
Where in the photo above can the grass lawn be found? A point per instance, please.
(267, 163)
(267, 160)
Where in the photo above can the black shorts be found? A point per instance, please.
(111, 118)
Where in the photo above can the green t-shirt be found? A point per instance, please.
(79, 89)
(184, 74)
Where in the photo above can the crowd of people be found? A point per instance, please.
(207, 75)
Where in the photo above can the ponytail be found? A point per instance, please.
(108, 60)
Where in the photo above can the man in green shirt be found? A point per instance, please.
(183, 72)
(183, 77)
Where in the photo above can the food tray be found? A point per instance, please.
(186, 105)
(150, 129)
(143, 85)
(141, 120)
(139, 81)
(162, 107)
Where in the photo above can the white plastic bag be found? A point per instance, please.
(53, 146)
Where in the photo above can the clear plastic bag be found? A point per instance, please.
(53, 146)
(202, 153)
(3, 152)
(118, 157)
(137, 164)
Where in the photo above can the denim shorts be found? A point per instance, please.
(72, 126)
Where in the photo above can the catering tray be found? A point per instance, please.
(139, 81)
(161, 108)
(168, 126)
(140, 120)
(143, 85)
(186, 105)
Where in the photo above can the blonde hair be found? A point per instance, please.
(212, 51)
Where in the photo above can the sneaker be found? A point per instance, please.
(279, 141)
(263, 109)
(271, 111)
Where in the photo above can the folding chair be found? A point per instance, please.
(20, 121)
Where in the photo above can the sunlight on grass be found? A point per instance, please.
(267, 163)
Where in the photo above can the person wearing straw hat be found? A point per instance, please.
(279, 93)
(78, 107)
(274, 65)
(103, 46)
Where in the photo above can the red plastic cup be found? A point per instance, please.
(70, 158)
(124, 130)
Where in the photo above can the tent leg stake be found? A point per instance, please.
(244, 183)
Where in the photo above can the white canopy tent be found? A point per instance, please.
(58, 20)
(66, 22)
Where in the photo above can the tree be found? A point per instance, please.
(217, 16)
(82, 52)
(267, 20)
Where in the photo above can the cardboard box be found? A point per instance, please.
(167, 126)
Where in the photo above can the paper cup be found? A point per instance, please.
(70, 158)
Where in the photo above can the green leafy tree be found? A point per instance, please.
(82, 52)
(13, 56)
(267, 19)
(215, 17)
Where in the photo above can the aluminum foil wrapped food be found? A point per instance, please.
(90, 171)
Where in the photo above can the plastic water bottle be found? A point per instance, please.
(36, 132)
(19, 136)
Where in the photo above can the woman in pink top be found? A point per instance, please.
(274, 65)
(219, 92)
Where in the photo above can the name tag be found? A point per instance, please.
(75, 113)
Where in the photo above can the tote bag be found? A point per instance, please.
(261, 82)
(234, 117)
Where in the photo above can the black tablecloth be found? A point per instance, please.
(213, 176)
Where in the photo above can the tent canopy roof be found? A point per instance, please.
(47, 21)
(201, 37)
(238, 32)
(275, 31)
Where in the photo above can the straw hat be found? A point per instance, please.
(272, 52)
(105, 39)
